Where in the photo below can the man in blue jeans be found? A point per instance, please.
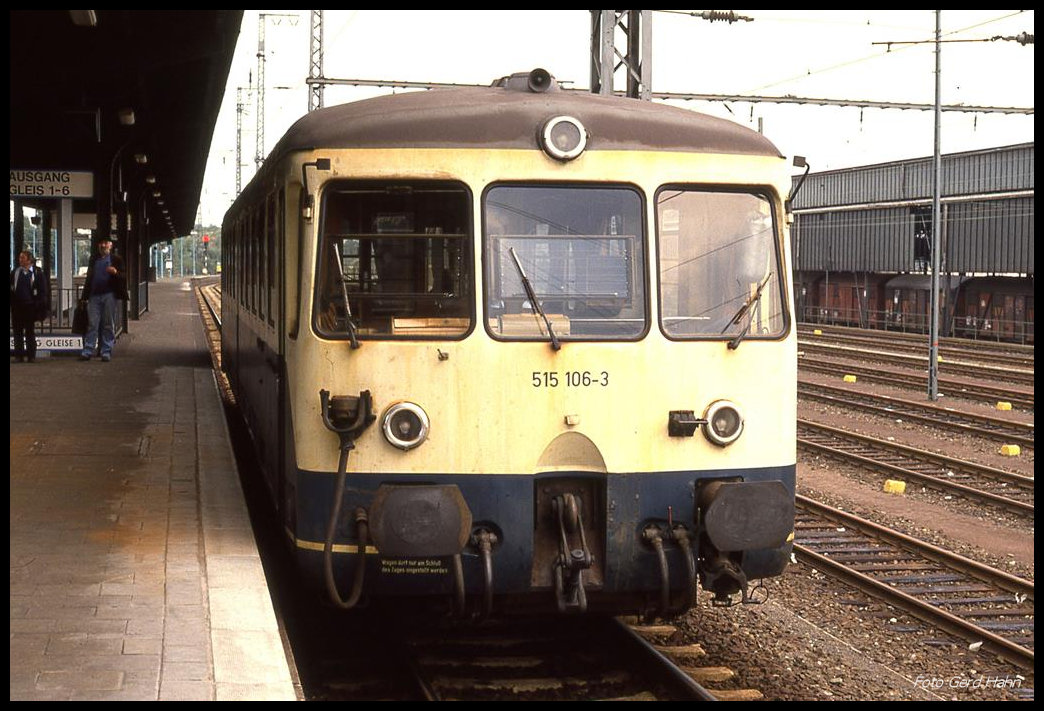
(105, 283)
(30, 300)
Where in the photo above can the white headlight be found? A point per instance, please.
(563, 138)
(405, 425)
(724, 422)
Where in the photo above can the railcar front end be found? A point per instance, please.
(543, 360)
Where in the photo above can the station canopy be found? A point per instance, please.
(77, 77)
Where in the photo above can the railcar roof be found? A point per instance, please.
(498, 117)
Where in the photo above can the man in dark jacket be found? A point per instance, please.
(30, 298)
(105, 283)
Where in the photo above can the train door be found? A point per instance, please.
(1028, 319)
(293, 229)
(230, 317)
(922, 300)
(284, 480)
(905, 308)
(246, 305)
(1006, 323)
(983, 312)
(269, 364)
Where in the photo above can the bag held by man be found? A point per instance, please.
(79, 323)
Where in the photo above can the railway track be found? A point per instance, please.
(950, 349)
(209, 298)
(996, 373)
(376, 655)
(948, 386)
(385, 654)
(351, 657)
(989, 345)
(936, 416)
(554, 659)
(996, 487)
(572, 658)
(975, 602)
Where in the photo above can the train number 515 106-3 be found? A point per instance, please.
(569, 379)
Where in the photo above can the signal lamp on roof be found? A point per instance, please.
(563, 138)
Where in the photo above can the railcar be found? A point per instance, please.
(519, 349)
(998, 308)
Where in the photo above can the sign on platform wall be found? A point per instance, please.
(56, 343)
(52, 183)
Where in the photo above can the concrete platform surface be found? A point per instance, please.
(134, 572)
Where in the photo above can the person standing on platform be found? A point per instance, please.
(30, 297)
(105, 283)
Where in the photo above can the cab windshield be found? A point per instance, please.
(395, 259)
(581, 250)
(719, 265)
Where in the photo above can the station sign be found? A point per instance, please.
(56, 343)
(52, 183)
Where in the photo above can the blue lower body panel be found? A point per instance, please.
(616, 509)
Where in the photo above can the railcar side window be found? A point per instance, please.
(720, 273)
(395, 258)
(581, 249)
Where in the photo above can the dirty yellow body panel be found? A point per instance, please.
(501, 406)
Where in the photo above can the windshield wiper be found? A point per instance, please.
(344, 292)
(754, 298)
(555, 345)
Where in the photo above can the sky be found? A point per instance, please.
(878, 55)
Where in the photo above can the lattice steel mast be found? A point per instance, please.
(315, 61)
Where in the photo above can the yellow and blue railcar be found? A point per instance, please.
(519, 348)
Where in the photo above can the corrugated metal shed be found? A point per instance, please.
(855, 240)
(878, 218)
(1009, 168)
(994, 236)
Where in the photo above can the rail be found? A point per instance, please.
(995, 487)
(883, 353)
(951, 349)
(1000, 429)
(988, 329)
(907, 379)
(963, 597)
(543, 659)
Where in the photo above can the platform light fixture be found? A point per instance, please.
(84, 18)
(126, 116)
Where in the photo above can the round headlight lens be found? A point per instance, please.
(564, 138)
(724, 423)
(405, 425)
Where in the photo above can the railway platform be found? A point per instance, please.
(133, 568)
